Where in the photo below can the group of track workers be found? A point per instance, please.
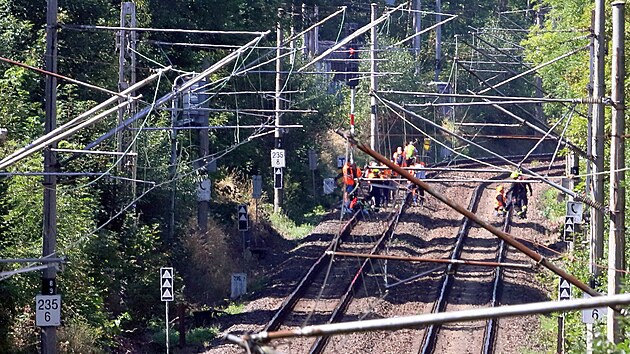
(380, 183)
(381, 187)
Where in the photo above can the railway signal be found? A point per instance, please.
(243, 218)
(166, 294)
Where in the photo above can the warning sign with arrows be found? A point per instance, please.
(564, 292)
(569, 224)
(166, 284)
(243, 218)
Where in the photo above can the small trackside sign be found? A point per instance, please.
(564, 292)
(243, 218)
(277, 158)
(166, 284)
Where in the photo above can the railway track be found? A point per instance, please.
(327, 288)
(412, 288)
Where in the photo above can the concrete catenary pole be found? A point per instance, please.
(417, 27)
(438, 40)
(616, 239)
(373, 82)
(278, 192)
(49, 282)
(597, 134)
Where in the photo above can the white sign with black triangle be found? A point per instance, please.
(166, 284)
(569, 224)
(243, 218)
(564, 290)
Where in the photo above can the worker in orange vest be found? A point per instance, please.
(350, 173)
(500, 202)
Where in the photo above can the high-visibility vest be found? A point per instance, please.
(499, 201)
(348, 175)
(410, 150)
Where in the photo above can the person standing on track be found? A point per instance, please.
(410, 153)
(517, 194)
(350, 173)
(500, 202)
(398, 156)
(417, 192)
(376, 192)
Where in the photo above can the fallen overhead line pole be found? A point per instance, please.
(431, 260)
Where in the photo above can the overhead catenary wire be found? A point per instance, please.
(555, 185)
(582, 100)
(349, 38)
(567, 116)
(69, 127)
(534, 69)
(62, 77)
(188, 84)
(161, 30)
(131, 204)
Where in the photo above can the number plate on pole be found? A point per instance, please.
(48, 310)
(277, 158)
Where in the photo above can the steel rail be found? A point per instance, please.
(490, 333)
(288, 304)
(321, 342)
(430, 335)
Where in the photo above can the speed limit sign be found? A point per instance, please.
(48, 310)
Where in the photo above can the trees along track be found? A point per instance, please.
(330, 278)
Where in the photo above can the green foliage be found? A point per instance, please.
(552, 209)
(288, 228)
(234, 308)
(201, 336)
(158, 337)
(78, 336)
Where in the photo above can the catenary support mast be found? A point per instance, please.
(616, 237)
(49, 282)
